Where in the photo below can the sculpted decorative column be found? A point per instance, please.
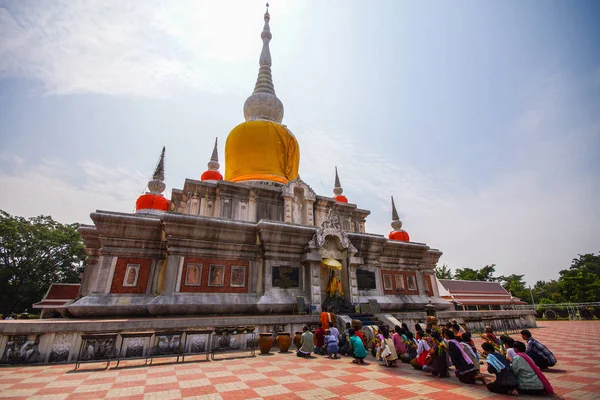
(352, 282)
(287, 209)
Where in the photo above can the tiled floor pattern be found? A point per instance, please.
(284, 376)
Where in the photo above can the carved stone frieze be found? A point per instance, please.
(198, 343)
(331, 227)
(61, 347)
(135, 347)
(98, 349)
(21, 350)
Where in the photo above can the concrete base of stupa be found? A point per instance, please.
(66, 340)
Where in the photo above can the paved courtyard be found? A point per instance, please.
(284, 376)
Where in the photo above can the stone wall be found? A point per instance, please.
(476, 321)
(56, 341)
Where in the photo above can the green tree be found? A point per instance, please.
(484, 274)
(34, 253)
(581, 282)
(548, 292)
(516, 286)
(443, 272)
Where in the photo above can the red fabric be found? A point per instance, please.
(320, 337)
(422, 357)
(341, 199)
(399, 235)
(152, 201)
(211, 176)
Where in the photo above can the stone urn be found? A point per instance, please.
(284, 340)
(265, 342)
(298, 339)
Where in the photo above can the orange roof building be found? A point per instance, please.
(476, 295)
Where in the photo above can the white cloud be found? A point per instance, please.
(55, 188)
(144, 48)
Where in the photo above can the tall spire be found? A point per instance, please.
(395, 216)
(213, 174)
(263, 103)
(338, 186)
(213, 164)
(398, 233)
(337, 189)
(157, 184)
(153, 202)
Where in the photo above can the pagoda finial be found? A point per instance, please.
(337, 190)
(213, 164)
(213, 173)
(396, 223)
(157, 184)
(263, 103)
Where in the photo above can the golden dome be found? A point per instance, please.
(261, 150)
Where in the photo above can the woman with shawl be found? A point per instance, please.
(465, 369)
(530, 378)
(506, 381)
(437, 362)
(472, 353)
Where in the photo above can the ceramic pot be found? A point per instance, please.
(284, 340)
(265, 342)
(298, 339)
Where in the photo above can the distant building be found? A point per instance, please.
(57, 299)
(476, 295)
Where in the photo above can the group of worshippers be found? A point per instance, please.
(517, 365)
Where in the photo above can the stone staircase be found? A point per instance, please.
(366, 319)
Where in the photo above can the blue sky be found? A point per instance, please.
(481, 118)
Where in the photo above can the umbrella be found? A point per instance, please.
(332, 263)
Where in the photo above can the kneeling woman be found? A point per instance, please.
(436, 361)
(465, 369)
(531, 379)
(506, 380)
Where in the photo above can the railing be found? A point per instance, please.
(572, 311)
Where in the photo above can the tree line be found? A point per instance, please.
(34, 253)
(580, 283)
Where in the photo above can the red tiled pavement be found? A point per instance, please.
(284, 376)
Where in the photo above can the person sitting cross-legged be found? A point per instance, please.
(506, 381)
(307, 343)
(541, 356)
(358, 348)
(531, 379)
